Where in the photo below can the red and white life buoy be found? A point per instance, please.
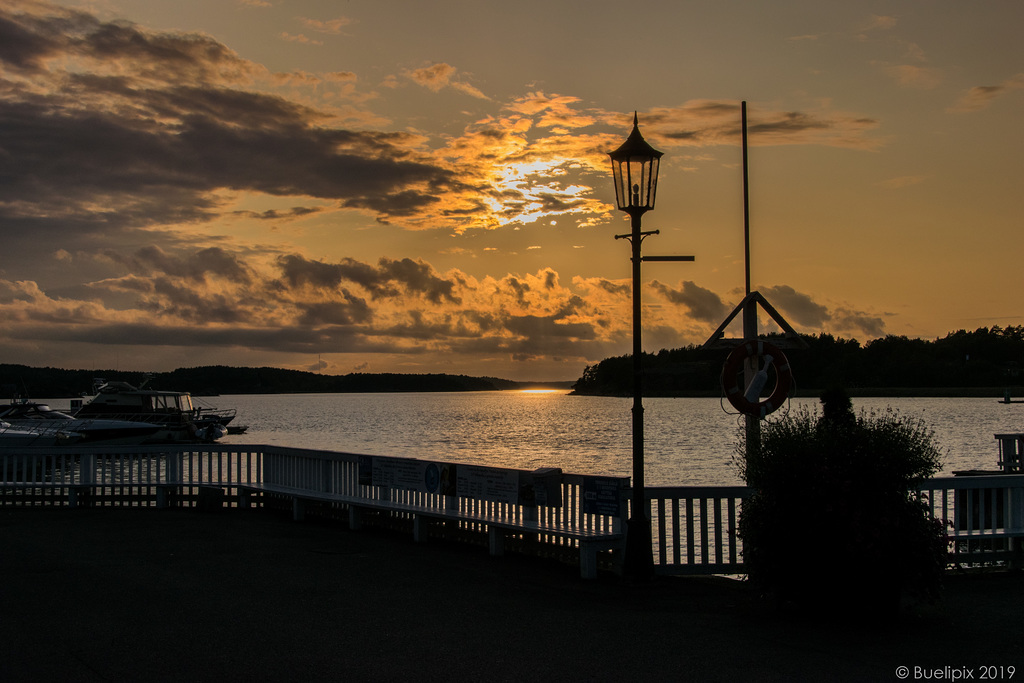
(744, 398)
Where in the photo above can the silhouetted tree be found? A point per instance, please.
(833, 521)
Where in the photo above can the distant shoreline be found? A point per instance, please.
(995, 393)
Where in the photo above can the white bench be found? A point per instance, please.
(591, 541)
(76, 492)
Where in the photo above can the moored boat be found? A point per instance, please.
(24, 414)
(179, 419)
(36, 437)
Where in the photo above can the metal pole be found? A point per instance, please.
(753, 422)
(639, 560)
(746, 200)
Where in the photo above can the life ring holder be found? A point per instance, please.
(756, 348)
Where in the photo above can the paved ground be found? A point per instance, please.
(175, 595)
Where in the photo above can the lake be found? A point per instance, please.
(689, 441)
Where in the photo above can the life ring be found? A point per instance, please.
(738, 395)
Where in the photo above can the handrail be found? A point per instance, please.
(568, 505)
(694, 527)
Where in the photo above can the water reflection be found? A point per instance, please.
(689, 441)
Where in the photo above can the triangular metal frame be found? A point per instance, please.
(792, 337)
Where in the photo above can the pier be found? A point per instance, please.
(573, 517)
(159, 572)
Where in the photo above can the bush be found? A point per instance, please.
(833, 520)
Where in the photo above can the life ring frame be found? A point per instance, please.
(755, 348)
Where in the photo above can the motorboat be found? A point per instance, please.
(37, 437)
(32, 415)
(179, 419)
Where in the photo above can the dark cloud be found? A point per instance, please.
(858, 324)
(26, 40)
(788, 122)
(538, 328)
(802, 311)
(703, 304)
(703, 122)
(405, 203)
(353, 310)
(175, 298)
(195, 266)
(149, 126)
(41, 31)
(617, 288)
(274, 214)
(291, 339)
(516, 287)
(419, 278)
(799, 307)
(414, 276)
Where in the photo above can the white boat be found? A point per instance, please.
(179, 419)
(21, 437)
(23, 414)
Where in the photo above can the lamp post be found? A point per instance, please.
(635, 170)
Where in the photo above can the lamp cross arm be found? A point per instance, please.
(668, 258)
(645, 233)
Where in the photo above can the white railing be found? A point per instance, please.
(983, 516)
(123, 475)
(568, 501)
(694, 528)
(552, 510)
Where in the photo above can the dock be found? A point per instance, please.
(146, 594)
(546, 512)
(211, 562)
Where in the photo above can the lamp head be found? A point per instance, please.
(635, 171)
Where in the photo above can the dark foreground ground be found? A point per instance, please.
(179, 595)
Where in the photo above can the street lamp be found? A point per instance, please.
(635, 170)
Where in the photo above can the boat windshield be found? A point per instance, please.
(185, 403)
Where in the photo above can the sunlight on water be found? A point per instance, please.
(688, 441)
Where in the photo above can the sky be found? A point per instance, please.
(397, 186)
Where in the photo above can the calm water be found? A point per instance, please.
(689, 441)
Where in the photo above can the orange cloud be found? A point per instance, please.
(439, 76)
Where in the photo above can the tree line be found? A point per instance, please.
(987, 358)
(29, 382)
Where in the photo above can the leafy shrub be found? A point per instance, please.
(833, 519)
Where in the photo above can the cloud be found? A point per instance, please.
(902, 181)
(980, 97)
(438, 76)
(858, 324)
(703, 304)
(210, 298)
(110, 129)
(331, 26)
(914, 76)
(717, 122)
(195, 267)
(153, 178)
(300, 38)
(387, 279)
(881, 22)
(809, 316)
(798, 306)
(552, 111)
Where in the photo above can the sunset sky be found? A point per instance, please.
(399, 186)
